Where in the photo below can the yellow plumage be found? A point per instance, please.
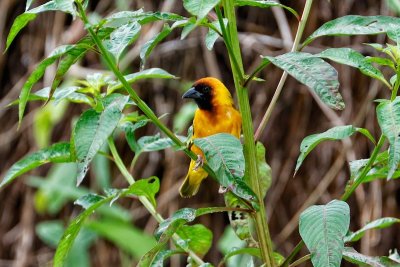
(216, 114)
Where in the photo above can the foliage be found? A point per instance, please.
(240, 170)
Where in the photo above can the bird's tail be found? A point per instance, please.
(192, 182)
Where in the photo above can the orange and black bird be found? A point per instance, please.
(216, 113)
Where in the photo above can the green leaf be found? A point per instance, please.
(224, 155)
(351, 255)
(388, 114)
(190, 25)
(22, 20)
(382, 61)
(255, 252)
(19, 23)
(124, 235)
(56, 153)
(357, 25)
(152, 73)
(162, 256)
(129, 129)
(119, 18)
(91, 202)
(199, 8)
(121, 38)
(165, 231)
(151, 44)
(323, 227)
(155, 143)
(198, 237)
(350, 57)
(265, 4)
(37, 74)
(50, 232)
(335, 133)
(146, 187)
(92, 130)
(312, 71)
(239, 220)
(264, 170)
(377, 224)
(212, 35)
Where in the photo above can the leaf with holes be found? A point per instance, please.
(350, 57)
(323, 227)
(146, 187)
(224, 155)
(312, 71)
(335, 133)
(388, 114)
(377, 224)
(93, 129)
(56, 153)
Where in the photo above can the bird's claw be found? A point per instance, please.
(199, 162)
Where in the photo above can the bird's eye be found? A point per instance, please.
(206, 89)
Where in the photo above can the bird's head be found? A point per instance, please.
(209, 93)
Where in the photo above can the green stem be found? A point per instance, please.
(293, 254)
(301, 260)
(274, 100)
(146, 203)
(232, 42)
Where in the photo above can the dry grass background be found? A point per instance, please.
(262, 32)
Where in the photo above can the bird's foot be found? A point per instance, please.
(199, 162)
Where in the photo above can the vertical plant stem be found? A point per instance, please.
(146, 203)
(231, 39)
(274, 100)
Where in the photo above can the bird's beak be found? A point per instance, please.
(192, 93)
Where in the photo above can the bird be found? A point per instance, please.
(215, 114)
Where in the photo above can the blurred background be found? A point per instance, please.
(35, 208)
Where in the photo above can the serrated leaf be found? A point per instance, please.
(264, 170)
(146, 187)
(198, 238)
(350, 57)
(74, 227)
(92, 130)
(323, 227)
(265, 4)
(199, 8)
(121, 38)
(376, 224)
(388, 114)
(335, 133)
(351, 255)
(37, 74)
(56, 153)
(357, 25)
(152, 73)
(318, 75)
(151, 44)
(224, 155)
(212, 35)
